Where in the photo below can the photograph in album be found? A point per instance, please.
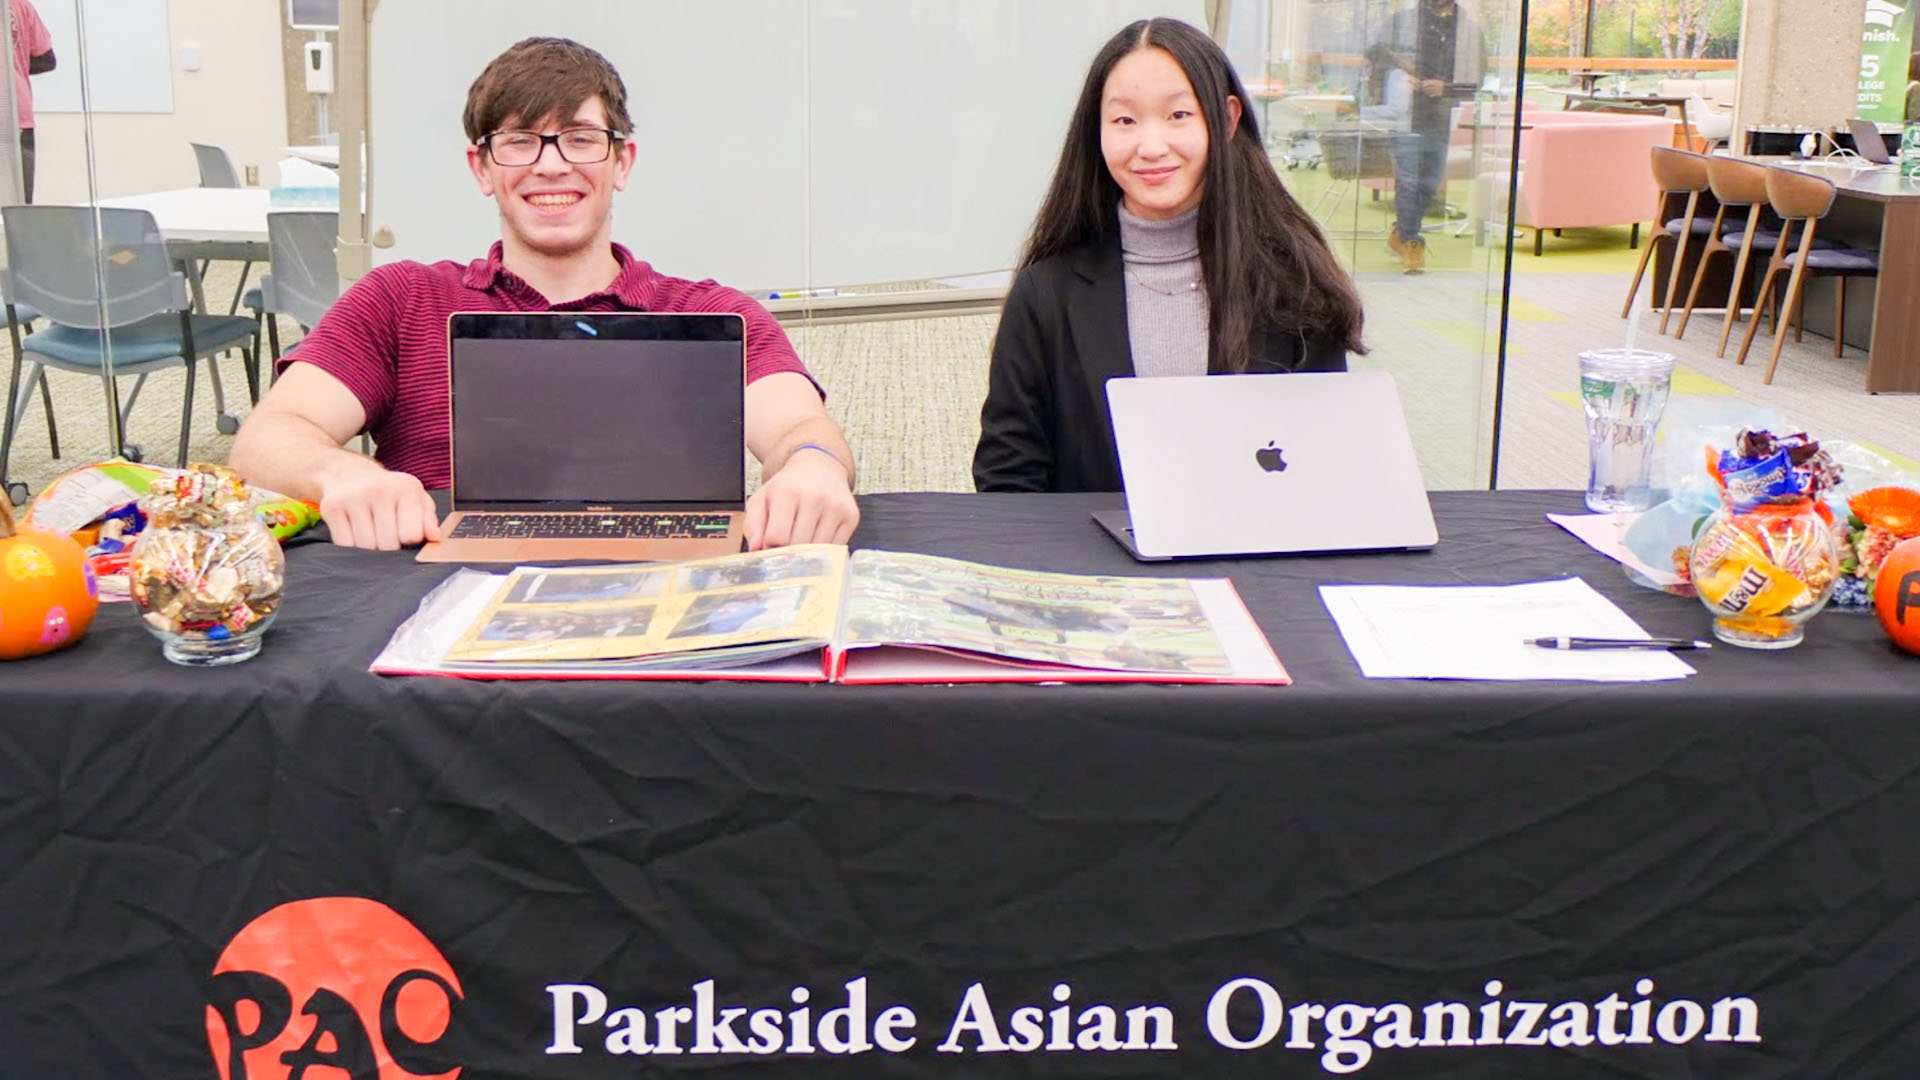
(816, 612)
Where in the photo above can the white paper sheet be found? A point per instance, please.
(1607, 534)
(1481, 632)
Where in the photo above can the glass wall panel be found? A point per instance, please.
(934, 130)
(871, 168)
(135, 228)
(1392, 122)
(926, 196)
(876, 164)
(1661, 53)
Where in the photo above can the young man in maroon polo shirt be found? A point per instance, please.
(548, 131)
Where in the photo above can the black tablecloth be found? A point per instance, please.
(1743, 836)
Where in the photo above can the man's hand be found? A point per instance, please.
(1433, 88)
(366, 506)
(292, 443)
(807, 502)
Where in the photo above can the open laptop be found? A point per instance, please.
(1265, 464)
(1867, 141)
(599, 435)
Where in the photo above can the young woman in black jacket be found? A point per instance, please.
(1166, 246)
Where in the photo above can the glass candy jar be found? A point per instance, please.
(1764, 571)
(206, 574)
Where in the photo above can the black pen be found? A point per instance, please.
(1619, 643)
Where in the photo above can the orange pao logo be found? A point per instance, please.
(339, 987)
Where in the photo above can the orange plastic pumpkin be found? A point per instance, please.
(47, 591)
(1896, 595)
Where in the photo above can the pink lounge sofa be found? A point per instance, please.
(1580, 169)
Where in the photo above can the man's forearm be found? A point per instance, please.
(814, 435)
(290, 455)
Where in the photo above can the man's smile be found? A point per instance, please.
(553, 200)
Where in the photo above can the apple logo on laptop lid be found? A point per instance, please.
(1269, 457)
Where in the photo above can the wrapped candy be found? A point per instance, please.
(97, 504)
(1766, 468)
(1766, 561)
(206, 573)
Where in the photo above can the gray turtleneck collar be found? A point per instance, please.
(1166, 300)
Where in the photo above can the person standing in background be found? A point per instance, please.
(32, 55)
(1439, 46)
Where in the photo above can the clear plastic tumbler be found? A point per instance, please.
(1623, 391)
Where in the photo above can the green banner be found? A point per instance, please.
(1886, 39)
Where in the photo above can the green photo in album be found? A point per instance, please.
(1150, 624)
(817, 613)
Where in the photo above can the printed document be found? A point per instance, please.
(1481, 632)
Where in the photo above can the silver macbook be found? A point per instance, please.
(594, 435)
(1867, 141)
(1265, 464)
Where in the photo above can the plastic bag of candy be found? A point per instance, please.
(1870, 503)
(97, 506)
(1762, 469)
(1691, 429)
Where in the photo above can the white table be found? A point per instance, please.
(207, 223)
(205, 215)
(318, 154)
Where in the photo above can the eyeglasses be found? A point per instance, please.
(578, 146)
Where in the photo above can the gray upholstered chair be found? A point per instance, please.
(114, 304)
(303, 278)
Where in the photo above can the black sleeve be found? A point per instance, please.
(41, 63)
(1323, 354)
(1016, 450)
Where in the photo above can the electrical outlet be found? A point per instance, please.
(253, 176)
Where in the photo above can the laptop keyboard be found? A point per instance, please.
(589, 526)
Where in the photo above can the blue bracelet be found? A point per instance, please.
(822, 449)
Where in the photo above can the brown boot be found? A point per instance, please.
(1413, 253)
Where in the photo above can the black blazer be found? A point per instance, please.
(1063, 334)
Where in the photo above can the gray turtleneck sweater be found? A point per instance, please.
(1166, 300)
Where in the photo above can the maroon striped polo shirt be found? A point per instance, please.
(386, 339)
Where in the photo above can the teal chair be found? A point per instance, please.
(115, 307)
(303, 278)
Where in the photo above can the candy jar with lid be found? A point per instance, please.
(206, 574)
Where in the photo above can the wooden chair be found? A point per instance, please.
(1744, 183)
(1676, 173)
(1803, 199)
(1737, 185)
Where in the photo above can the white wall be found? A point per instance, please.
(781, 143)
(236, 100)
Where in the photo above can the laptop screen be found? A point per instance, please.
(1867, 141)
(609, 409)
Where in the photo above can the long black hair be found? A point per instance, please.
(1262, 256)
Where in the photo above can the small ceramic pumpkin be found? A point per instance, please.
(47, 591)
(1896, 595)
